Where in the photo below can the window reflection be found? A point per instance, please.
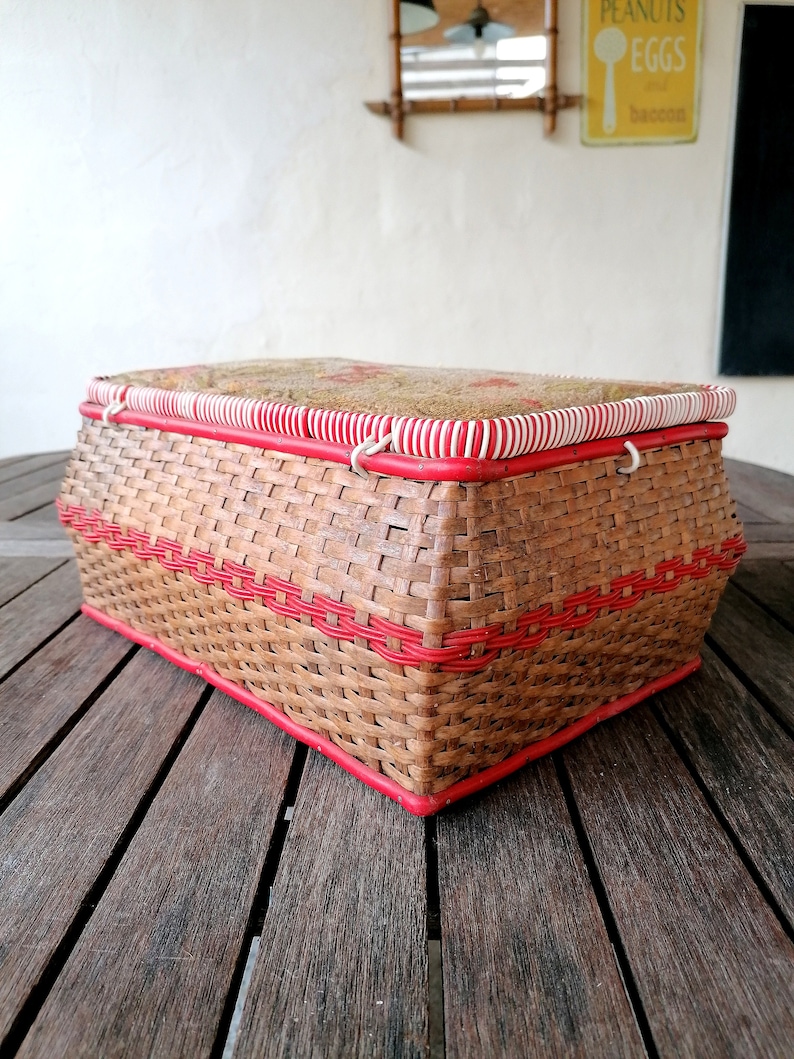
(512, 68)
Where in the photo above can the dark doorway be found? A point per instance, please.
(758, 307)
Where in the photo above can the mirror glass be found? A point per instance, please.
(477, 51)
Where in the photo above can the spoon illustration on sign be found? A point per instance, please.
(610, 47)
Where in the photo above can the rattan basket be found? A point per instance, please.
(430, 601)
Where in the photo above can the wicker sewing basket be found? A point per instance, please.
(432, 577)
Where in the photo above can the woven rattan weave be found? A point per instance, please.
(429, 629)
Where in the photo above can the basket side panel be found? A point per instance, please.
(433, 561)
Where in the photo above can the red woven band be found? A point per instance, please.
(337, 620)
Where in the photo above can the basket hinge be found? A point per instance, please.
(633, 451)
(113, 409)
(369, 447)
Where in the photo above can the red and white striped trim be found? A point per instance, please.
(482, 439)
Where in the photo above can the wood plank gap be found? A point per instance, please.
(231, 1016)
(748, 516)
(48, 474)
(37, 615)
(711, 963)
(762, 489)
(435, 999)
(435, 959)
(35, 581)
(764, 700)
(273, 858)
(30, 511)
(151, 972)
(746, 761)
(9, 460)
(46, 516)
(28, 501)
(239, 1006)
(30, 1009)
(32, 463)
(433, 891)
(37, 700)
(721, 819)
(761, 645)
(621, 957)
(628, 998)
(43, 643)
(342, 968)
(55, 741)
(765, 607)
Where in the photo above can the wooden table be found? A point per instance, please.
(179, 878)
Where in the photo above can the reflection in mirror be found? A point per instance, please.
(511, 69)
(476, 52)
(417, 15)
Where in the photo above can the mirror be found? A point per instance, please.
(469, 55)
(491, 51)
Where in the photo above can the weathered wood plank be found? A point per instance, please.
(60, 831)
(28, 500)
(770, 583)
(150, 973)
(745, 761)
(748, 517)
(21, 465)
(25, 528)
(42, 696)
(342, 967)
(769, 492)
(528, 965)
(8, 460)
(18, 574)
(760, 646)
(39, 535)
(783, 550)
(37, 613)
(43, 516)
(711, 963)
(50, 475)
(764, 532)
(16, 548)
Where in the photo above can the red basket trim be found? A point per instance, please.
(337, 620)
(418, 804)
(482, 439)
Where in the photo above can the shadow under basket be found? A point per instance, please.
(432, 622)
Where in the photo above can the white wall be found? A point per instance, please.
(198, 180)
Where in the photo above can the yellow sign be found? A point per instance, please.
(641, 71)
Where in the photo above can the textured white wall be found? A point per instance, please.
(198, 180)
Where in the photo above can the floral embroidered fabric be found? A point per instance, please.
(380, 389)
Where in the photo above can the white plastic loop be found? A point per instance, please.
(113, 409)
(369, 449)
(635, 458)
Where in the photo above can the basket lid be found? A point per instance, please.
(426, 412)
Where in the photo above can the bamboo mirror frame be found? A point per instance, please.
(548, 102)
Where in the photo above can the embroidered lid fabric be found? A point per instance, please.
(429, 412)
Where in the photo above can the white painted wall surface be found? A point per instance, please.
(198, 180)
